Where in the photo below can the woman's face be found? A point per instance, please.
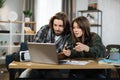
(77, 30)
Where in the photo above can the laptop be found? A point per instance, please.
(43, 53)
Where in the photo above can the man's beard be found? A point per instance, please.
(57, 33)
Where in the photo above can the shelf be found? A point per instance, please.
(94, 25)
(4, 46)
(89, 11)
(32, 22)
(15, 46)
(16, 33)
(5, 34)
(11, 21)
(29, 34)
(95, 19)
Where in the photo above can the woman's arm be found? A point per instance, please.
(97, 49)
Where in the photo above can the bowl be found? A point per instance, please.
(16, 43)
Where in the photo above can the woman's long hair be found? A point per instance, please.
(84, 24)
(66, 23)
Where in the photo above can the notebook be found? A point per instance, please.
(43, 53)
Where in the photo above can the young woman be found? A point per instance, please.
(85, 44)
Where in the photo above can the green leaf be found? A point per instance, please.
(27, 13)
(1, 3)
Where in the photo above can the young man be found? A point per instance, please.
(58, 32)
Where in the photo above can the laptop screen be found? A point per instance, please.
(43, 52)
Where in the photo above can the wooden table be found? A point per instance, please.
(91, 65)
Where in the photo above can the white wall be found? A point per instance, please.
(111, 19)
(45, 9)
(14, 5)
(11, 5)
(110, 8)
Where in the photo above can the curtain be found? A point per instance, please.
(68, 8)
(29, 5)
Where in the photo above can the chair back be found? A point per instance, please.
(108, 48)
(23, 46)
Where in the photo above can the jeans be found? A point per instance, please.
(41, 74)
(87, 73)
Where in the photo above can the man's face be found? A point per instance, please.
(58, 27)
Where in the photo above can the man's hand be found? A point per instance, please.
(66, 52)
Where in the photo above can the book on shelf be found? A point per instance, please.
(4, 31)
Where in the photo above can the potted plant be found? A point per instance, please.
(114, 53)
(27, 14)
(1, 3)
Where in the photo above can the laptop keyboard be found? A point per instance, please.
(62, 61)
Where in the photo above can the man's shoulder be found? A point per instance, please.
(45, 27)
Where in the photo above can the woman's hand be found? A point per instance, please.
(81, 47)
(66, 52)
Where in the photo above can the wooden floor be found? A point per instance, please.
(4, 75)
(114, 74)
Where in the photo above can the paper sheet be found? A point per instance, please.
(78, 62)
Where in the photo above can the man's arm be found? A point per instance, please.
(61, 56)
(41, 34)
